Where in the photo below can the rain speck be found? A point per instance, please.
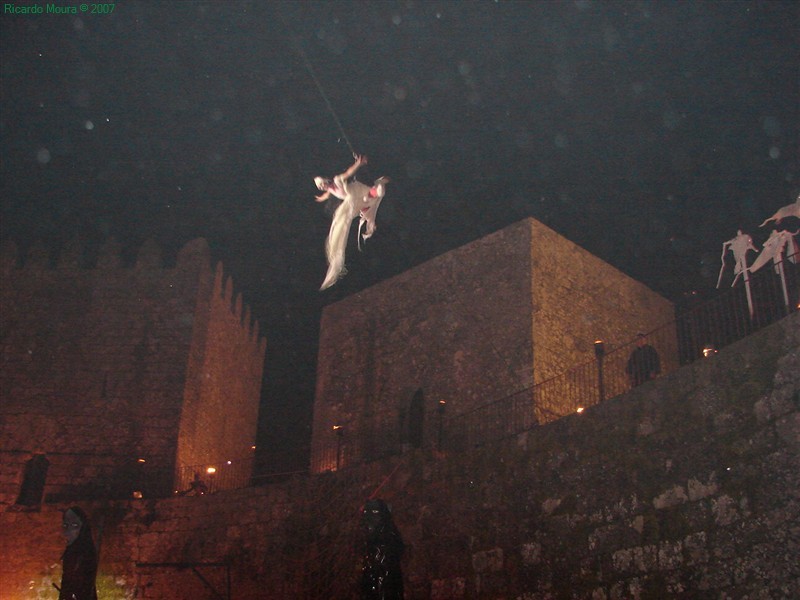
(43, 156)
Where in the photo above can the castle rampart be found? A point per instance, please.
(97, 369)
(683, 488)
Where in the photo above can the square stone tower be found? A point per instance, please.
(480, 323)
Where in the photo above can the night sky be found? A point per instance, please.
(646, 132)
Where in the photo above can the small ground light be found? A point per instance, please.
(211, 470)
(709, 350)
(137, 494)
(580, 409)
(141, 460)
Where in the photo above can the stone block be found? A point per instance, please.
(671, 497)
(489, 561)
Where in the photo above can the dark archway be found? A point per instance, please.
(32, 490)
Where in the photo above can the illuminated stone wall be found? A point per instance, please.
(684, 488)
(98, 364)
(220, 407)
(474, 325)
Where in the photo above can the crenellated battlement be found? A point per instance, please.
(235, 305)
(72, 258)
(77, 255)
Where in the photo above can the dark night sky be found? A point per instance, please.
(646, 132)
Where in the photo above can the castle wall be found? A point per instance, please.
(477, 324)
(219, 417)
(684, 488)
(94, 368)
(578, 298)
(457, 328)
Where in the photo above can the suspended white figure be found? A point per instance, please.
(358, 200)
(739, 246)
(791, 210)
(779, 244)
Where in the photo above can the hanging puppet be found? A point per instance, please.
(791, 210)
(778, 245)
(358, 200)
(739, 246)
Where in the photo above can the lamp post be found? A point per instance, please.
(212, 480)
(339, 433)
(440, 411)
(600, 352)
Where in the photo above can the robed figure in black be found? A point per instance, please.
(381, 576)
(644, 363)
(79, 560)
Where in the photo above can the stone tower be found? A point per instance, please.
(480, 323)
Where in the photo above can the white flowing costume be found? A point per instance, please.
(358, 200)
(779, 244)
(791, 210)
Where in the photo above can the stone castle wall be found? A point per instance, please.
(579, 298)
(95, 367)
(225, 367)
(685, 487)
(477, 324)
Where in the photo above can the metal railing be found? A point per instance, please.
(197, 480)
(701, 329)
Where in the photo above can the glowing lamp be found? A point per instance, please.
(211, 470)
(599, 348)
(709, 350)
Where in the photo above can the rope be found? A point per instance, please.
(373, 495)
(309, 67)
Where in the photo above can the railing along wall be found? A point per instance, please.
(699, 331)
(701, 328)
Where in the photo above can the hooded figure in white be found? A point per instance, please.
(358, 200)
